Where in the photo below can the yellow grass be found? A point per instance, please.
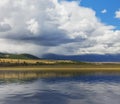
(63, 67)
(4, 60)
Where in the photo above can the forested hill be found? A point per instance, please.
(17, 56)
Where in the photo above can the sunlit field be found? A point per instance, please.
(55, 65)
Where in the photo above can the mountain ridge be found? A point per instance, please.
(81, 58)
(85, 57)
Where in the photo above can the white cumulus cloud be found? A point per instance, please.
(52, 26)
(33, 26)
(117, 14)
(104, 11)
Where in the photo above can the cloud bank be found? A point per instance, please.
(52, 26)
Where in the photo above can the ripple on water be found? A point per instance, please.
(73, 90)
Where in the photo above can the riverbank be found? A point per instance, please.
(62, 67)
(45, 71)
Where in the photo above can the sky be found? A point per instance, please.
(67, 27)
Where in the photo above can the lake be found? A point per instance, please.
(80, 89)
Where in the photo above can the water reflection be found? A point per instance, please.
(82, 89)
(48, 74)
(33, 74)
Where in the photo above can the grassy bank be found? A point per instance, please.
(59, 70)
(55, 65)
(61, 67)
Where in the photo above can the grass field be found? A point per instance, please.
(70, 67)
(54, 65)
(30, 61)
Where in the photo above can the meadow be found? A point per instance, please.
(55, 65)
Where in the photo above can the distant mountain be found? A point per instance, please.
(85, 58)
(17, 56)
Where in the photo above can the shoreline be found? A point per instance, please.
(63, 68)
(31, 72)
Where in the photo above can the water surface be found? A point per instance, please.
(82, 89)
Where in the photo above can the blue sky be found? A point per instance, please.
(110, 5)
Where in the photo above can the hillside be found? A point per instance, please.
(17, 56)
(7, 59)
